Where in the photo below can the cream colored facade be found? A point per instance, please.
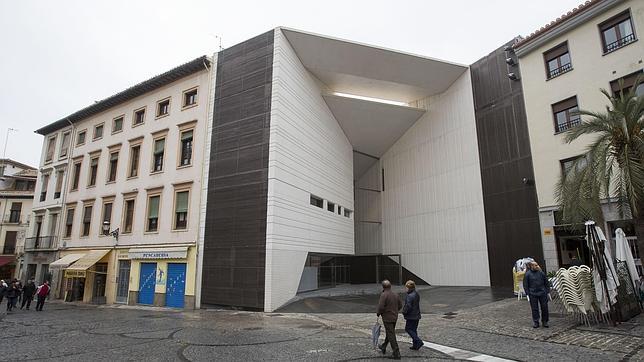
(592, 70)
(96, 189)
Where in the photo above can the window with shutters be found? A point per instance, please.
(157, 155)
(98, 132)
(107, 214)
(69, 222)
(76, 178)
(43, 187)
(80, 138)
(135, 155)
(117, 124)
(557, 61)
(185, 158)
(181, 204)
(64, 147)
(152, 224)
(128, 215)
(93, 171)
(87, 220)
(139, 117)
(113, 166)
(51, 147)
(565, 114)
(60, 176)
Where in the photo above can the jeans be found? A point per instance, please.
(26, 300)
(411, 327)
(535, 301)
(390, 329)
(41, 302)
(11, 302)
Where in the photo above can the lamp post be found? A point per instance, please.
(106, 230)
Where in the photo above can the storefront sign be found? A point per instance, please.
(123, 254)
(75, 273)
(168, 253)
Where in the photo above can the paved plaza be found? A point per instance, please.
(458, 323)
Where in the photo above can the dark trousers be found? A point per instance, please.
(40, 303)
(11, 302)
(411, 327)
(26, 299)
(390, 338)
(535, 301)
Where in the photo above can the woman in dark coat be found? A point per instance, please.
(537, 288)
(411, 312)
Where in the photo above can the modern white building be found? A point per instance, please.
(127, 222)
(17, 183)
(563, 67)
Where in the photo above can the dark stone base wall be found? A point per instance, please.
(235, 235)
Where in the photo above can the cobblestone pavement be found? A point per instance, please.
(65, 332)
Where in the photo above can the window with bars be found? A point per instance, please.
(625, 84)
(186, 148)
(153, 213)
(617, 32)
(181, 210)
(565, 114)
(157, 157)
(113, 166)
(557, 61)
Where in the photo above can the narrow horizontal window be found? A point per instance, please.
(317, 202)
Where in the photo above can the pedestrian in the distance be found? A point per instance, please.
(388, 308)
(3, 290)
(28, 294)
(537, 287)
(19, 285)
(411, 312)
(12, 296)
(42, 294)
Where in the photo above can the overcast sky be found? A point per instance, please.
(59, 56)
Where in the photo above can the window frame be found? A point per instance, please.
(58, 188)
(87, 204)
(126, 198)
(51, 147)
(76, 174)
(67, 135)
(629, 82)
(184, 104)
(84, 133)
(178, 190)
(317, 199)
(122, 118)
(92, 157)
(106, 200)
(332, 205)
(158, 107)
(109, 179)
(180, 150)
(555, 53)
(151, 194)
(44, 186)
(134, 144)
(97, 126)
(613, 23)
(69, 227)
(134, 115)
(562, 106)
(153, 164)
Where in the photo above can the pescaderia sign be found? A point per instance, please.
(177, 253)
(75, 273)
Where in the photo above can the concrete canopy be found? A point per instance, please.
(383, 82)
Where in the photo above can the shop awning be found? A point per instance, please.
(179, 252)
(4, 260)
(88, 260)
(65, 261)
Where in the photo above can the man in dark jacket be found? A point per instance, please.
(537, 288)
(28, 294)
(12, 295)
(411, 312)
(388, 308)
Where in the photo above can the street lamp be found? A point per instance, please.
(106, 230)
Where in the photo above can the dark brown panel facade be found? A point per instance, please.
(509, 195)
(235, 236)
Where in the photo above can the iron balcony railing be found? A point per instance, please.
(41, 243)
(561, 127)
(611, 47)
(559, 71)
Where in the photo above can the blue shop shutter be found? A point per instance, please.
(147, 281)
(175, 285)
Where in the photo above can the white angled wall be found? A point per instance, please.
(309, 154)
(433, 202)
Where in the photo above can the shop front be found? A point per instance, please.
(163, 277)
(85, 277)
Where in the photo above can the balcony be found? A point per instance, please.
(41, 243)
(611, 47)
(15, 218)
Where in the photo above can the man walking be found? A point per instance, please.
(388, 308)
(28, 294)
(411, 312)
(12, 295)
(42, 293)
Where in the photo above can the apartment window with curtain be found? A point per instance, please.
(87, 220)
(98, 132)
(93, 171)
(112, 168)
(152, 224)
(69, 222)
(163, 107)
(43, 189)
(617, 32)
(181, 210)
(557, 61)
(128, 215)
(64, 147)
(565, 114)
(135, 154)
(76, 175)
(186, 148)
(139, 117)
(60, 175)
(157, 156)
(190, 97)
(51, 147)
(80, 138)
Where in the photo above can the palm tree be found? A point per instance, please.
(613, 165)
